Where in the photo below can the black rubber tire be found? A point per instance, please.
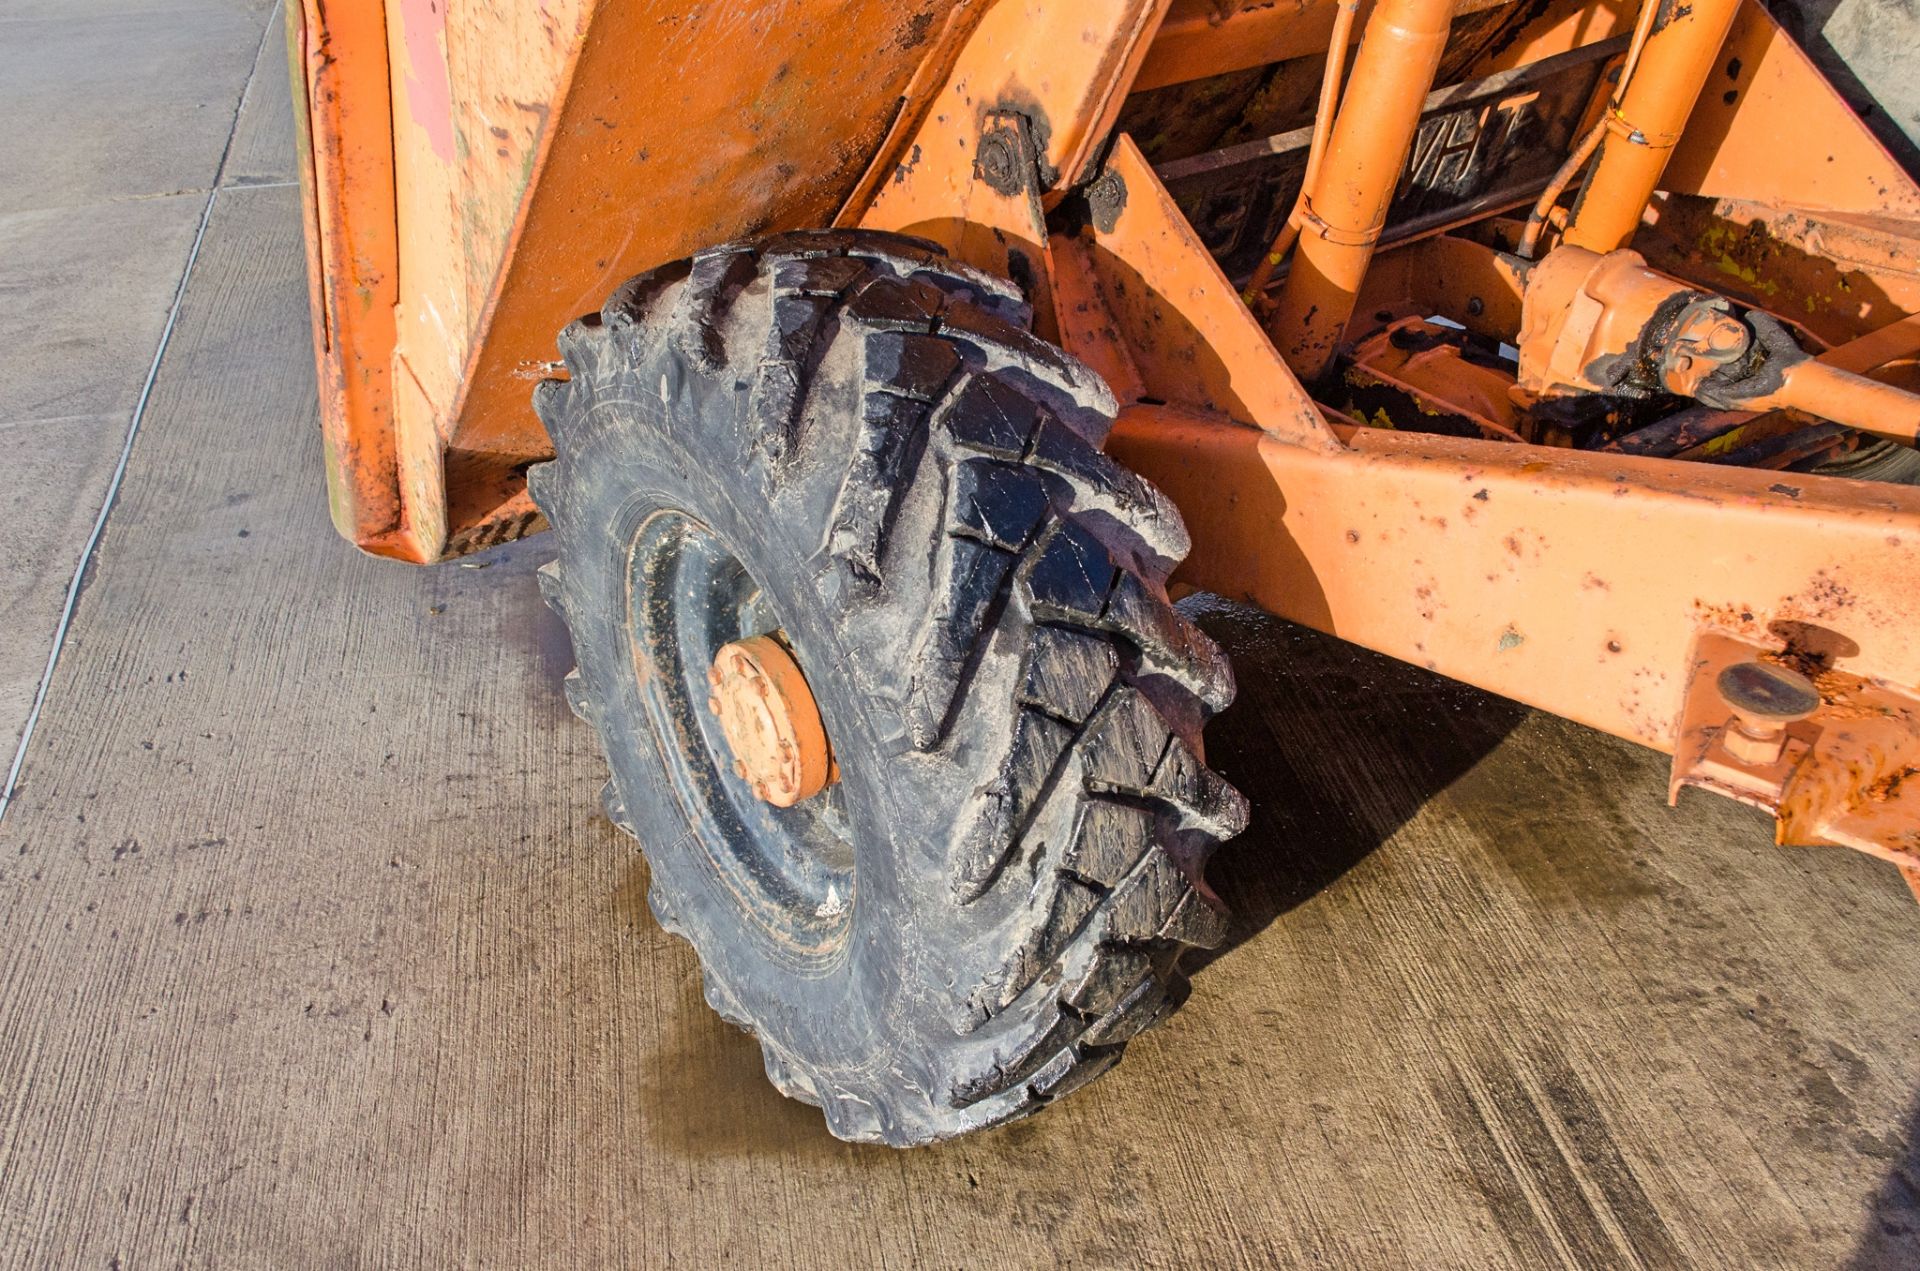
(849, 437)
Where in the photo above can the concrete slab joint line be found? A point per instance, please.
(112, 491)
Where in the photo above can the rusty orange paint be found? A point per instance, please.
(570, 173)
(1889, 355)
(1203, 38)
(1585, 311)
(703, 146)
(1557, 26)
(429, 94)
(1895, 346)
(1842, 771)
(1200, 38)
(1087, 326)
(993, 224)
(1045, 80)
(1828, 392)
(1586, 314)
(1186, 333)
(1474, 284)
(1546, 575)
(348, 197)
(1860, 784)
(1326, 108)
(1837, 276)
(900, 151)
(1432, 373)
(468, 121)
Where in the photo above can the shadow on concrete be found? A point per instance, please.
(1891, 1238)
(1335, 747)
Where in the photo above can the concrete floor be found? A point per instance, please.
(317, 950)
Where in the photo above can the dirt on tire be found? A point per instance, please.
(851, 440)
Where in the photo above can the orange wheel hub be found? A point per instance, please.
(771, 724)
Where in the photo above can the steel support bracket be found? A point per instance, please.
(1845, 775)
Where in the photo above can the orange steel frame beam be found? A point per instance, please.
(1572, 580)
(1575, 581)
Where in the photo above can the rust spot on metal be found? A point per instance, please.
(1106, 199)
(997, 161)
(1888, 787)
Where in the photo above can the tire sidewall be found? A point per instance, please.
(660, 437)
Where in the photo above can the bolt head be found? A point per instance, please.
(1764, 699)
(1762, 693)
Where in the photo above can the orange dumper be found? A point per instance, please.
(914, 355)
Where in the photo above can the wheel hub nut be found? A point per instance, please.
(770, 721)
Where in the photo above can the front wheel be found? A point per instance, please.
(879, 648)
